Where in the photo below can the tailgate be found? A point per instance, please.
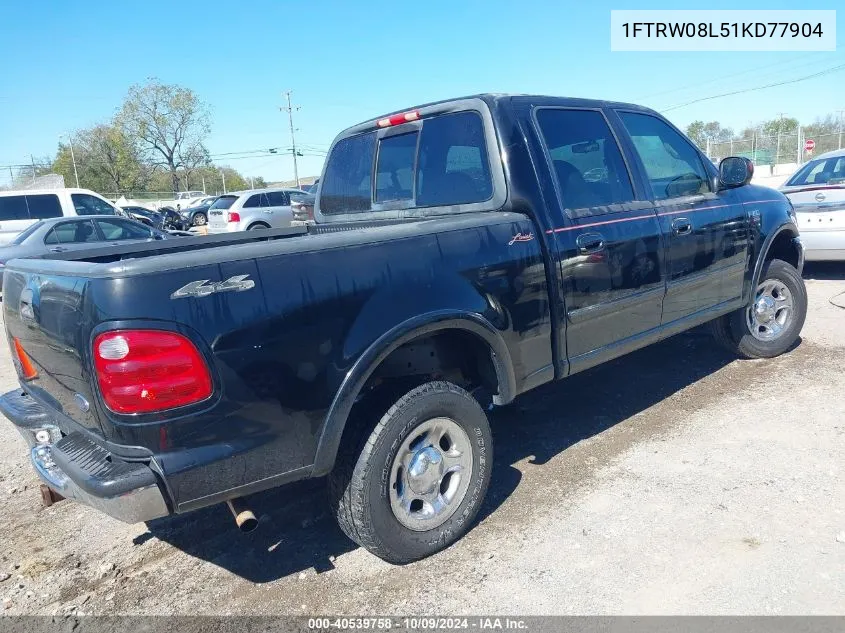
(46, 315)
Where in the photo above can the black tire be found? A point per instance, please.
(359, 485)
(200, 219)
(257, 226)
(732, 330)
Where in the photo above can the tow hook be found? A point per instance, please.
(244, 517)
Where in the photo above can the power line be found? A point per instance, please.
(721, 78)
(827, 71)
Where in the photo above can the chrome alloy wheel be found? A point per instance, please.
(430, 474)
(771, 313)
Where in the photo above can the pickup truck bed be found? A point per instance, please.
(531, 245)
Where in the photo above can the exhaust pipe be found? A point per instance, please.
(244, 517)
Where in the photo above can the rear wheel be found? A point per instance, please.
(770, 325)
(200, 219)
(257, 226)
(412, 485)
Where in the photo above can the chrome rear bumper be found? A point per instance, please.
(79, 469)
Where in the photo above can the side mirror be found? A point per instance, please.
(735, 171)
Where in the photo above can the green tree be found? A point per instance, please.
(106, 161)
(168, 123)
(782, 126)
(695, 131)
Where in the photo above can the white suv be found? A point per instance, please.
(22, 208)
(249, 210)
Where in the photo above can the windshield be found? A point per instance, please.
(224, 202)
(823, 171)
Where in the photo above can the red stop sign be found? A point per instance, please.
(809, 145)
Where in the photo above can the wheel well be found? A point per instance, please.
(454, 355)
(784, 248)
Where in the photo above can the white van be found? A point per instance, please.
(22, 208)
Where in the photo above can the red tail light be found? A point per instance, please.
(234, 216)
(396, 119)
(141, 371)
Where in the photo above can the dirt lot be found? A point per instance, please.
(675, 480)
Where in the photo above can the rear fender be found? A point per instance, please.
(407, 331)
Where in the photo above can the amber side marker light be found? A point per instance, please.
(28, 369)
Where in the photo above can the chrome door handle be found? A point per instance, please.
(681, 226)
(589, 243)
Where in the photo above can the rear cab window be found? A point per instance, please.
(434, 165)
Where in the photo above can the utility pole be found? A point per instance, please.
(290, 110)
(800, 146)
(203, 182)
(72, 158)
(32, 158)
(223, 175)
(841, 113)
(780, 124)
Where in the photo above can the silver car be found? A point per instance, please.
(822, 180)
(250, 210)
(817, 191)
(58, 235)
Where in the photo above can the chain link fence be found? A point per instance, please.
(29, 178)
(775, 150)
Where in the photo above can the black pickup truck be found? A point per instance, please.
(464, 252)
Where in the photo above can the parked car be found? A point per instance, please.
(198, 215)
(822, 180)
(302, 206)
(20, 209)
(250, 210)
(817, 191)
(443, 276)
(141, 214)
(59, 235)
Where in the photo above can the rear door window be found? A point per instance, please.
(86, 204)
(277, 199)
(72, 233)
(256, 200)
(13, 208)
(395, 167)
(586, 160)
(115, 230)
(44, 206)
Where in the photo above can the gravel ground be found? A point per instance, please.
(674, 480)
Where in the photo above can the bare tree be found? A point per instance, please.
(168, 122)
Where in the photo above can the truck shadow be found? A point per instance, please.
(296, 531)
(827, 271)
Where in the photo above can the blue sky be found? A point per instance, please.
(68, 65)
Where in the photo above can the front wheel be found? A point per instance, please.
(770, 325)
(413, 485)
